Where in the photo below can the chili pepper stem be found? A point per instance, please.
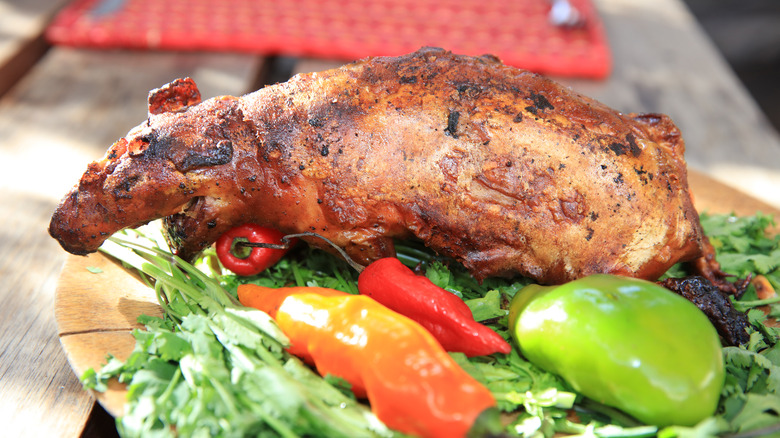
(286, 245)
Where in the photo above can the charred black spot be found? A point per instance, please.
(158, 145)
(518, 118)
(540, 102)
(618, 179)
(408, 79)
(594, 215)
(643, 175)
(468, 89)
(301, 167)
(324, 151)
(590, 233)
(316, 122)
(212, 223)
(253, 178)
(618, 148)
(452, 124)
(123, 188)
(182, 186)
(221, 154)
(635, 149)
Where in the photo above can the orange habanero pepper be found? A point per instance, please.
(411, 383)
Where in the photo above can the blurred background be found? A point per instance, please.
(747, 33)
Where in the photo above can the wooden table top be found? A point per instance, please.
(72, 104)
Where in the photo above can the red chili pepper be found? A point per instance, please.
(445, 315)
(411, 383)
(257, 259)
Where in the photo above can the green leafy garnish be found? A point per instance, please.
(743, 247)
(211, 367)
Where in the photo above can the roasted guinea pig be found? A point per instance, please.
(503, 170)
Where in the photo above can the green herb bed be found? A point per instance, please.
(211, 367)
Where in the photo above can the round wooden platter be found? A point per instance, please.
(97, 304)
(98, 301)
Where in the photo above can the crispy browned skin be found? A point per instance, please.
(504, 170)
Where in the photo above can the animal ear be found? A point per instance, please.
(174, 96)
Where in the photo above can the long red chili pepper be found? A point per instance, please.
(412, 384)
(445, 315)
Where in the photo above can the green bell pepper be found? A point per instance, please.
(627, 343)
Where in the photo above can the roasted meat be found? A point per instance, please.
(732, 325)
(504, 170)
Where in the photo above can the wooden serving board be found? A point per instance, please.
(96, 312)
(96, 305)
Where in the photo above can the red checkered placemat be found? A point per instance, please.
(517, 31)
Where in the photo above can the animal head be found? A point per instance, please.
(158, 169)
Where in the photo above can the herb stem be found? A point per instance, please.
(756, 303)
